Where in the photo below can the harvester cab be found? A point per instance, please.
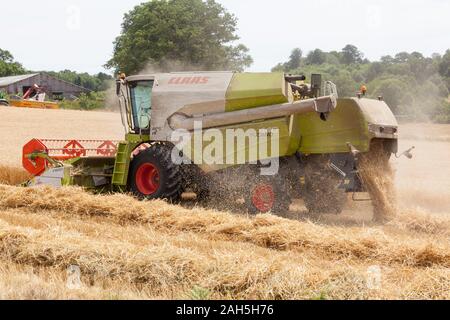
(135, 98)
(213, 133)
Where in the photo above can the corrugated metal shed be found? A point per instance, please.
(6, 81)
(54, 87)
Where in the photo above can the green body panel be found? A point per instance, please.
(377, 112)
(80, 171)
(122, 164)
(67, 179)
(348, 123)
(137, 139)
(123, 157)
(251, 90)
(247, 146)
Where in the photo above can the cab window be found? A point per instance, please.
(141, 102)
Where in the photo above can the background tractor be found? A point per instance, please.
(35, 98)
(320, 140)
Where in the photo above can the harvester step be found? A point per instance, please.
(122, 164)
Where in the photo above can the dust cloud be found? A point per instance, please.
(169, 65)
(423, 183)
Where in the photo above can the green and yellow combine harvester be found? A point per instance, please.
(267, 138)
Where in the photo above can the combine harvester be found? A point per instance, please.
(33, 98)
(318, 142)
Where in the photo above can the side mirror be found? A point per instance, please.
(407, 153)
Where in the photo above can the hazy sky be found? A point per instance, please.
(78, 34)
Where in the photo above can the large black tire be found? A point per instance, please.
(4, 103)
(321, 192)
(267, 194)
(153, 175)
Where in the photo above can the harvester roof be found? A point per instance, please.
(143, 77)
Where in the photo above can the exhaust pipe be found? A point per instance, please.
(322, 105)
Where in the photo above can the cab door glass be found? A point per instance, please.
(141, 100)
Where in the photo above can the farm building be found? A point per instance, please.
(55, 88)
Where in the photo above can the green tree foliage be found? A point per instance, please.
(350, 54)
(444, 65)
(444, 68)
(90, 101)
(295, 59)
(410, 83)
(316, 57)
(6, 56)
(402, 57)
(293, 63)
(392, 90)
(8, 67)
(195, 33)
(442, 113)
(387, 60)
(98, 82)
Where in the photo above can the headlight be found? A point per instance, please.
(382, 130)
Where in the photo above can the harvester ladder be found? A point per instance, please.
(122, 165)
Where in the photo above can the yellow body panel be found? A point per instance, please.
(34, 104)
(252, 90)
(250, 147)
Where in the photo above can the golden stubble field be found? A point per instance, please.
(125, 249)
(18, 126)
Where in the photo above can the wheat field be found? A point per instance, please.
(125, 249)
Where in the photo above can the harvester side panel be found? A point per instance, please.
(347, 124)
(377, 112)
(248, 144)
(351, 122)
(252, 90)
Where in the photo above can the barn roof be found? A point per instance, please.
(6, 81)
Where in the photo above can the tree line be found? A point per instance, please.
(412, 84)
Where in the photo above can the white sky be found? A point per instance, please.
(51, 35)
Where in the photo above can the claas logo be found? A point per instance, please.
(189, 80)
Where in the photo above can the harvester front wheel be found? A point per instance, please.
(267, 194)
(153, 175)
